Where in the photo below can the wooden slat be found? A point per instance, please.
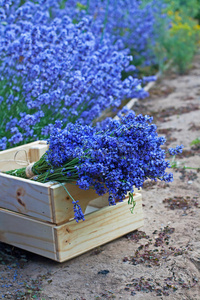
(62, 202)
(99, 227)
(36, 151)
(27, 233)
(21, 153)
(66, 241)
(26, 197)
(102, 201)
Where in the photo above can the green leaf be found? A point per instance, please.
(195, 142)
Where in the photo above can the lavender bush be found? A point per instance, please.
(132, 24)
(52, 69)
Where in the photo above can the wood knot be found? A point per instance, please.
(20, 192)
(21, 202)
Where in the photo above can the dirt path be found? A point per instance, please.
(162, 260)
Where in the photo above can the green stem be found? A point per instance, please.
(131, 201)
(67, 192)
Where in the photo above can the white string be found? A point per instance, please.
(18, 161)
(29, 172)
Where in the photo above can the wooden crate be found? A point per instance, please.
(39, 217)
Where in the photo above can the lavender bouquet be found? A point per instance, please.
(113, 160)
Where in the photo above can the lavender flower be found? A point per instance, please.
(177, 150)
(78, 214)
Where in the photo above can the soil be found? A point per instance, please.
(159, 261)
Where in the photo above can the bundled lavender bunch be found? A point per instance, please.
(125, 154)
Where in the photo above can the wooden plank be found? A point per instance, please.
(62, 202)
(102, 201)
(27, 233)
(99, 227)
(90, 209)
(17, 157)
(26, 197)
(36, 151)
(71, 239)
